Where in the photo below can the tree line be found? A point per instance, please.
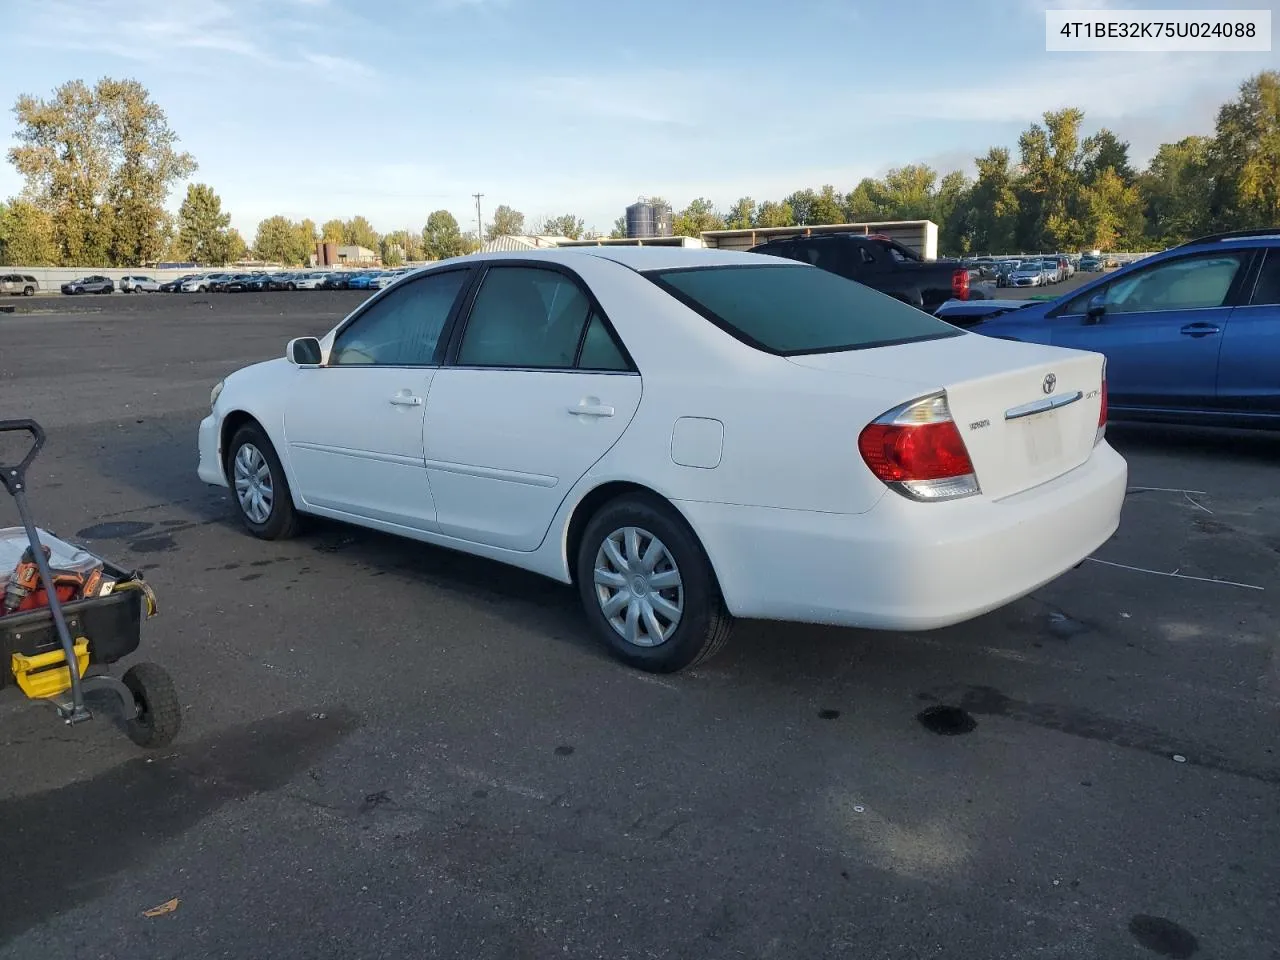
(1060, 190)
(100, 162)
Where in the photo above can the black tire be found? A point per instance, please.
(704, 624)
(159, 713)
(28, 291)
(291, 286)
(282, 522)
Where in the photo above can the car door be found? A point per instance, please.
(1249, 365)
(353, 426)
(537, 389)
(1161, 329)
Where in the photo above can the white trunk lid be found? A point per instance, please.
(1028, 413)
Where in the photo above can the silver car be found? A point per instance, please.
(139, 285)
(19, 284)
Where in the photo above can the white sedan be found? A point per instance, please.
(689, 436)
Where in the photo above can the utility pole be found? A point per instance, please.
(479, 220)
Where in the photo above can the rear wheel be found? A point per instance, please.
(28, 291)
(159, 713)
(648, 588)
(258, 485)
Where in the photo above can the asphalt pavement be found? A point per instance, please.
(393, 750)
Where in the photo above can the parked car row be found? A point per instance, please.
(230, 282)
(219, 282)
(1036, 272)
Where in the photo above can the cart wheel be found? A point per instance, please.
(159, 713)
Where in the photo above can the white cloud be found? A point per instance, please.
(1105, 86)
(337, 67)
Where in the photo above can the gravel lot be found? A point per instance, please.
(391, 750)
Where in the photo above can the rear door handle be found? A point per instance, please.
(1200, 329)
(406, 400)
(591, 408)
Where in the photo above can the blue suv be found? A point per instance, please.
(1191, 335)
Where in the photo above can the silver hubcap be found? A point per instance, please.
(254, 489)
(638, 587)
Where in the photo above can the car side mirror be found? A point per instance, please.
(304, 352)
(1097, 307)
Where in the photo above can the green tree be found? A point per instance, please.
(865, 202)
(619, 231)
(237, 249)
(566, 225)
(994, 204)
(953, 213)
(470, 242)
(101, 162)
(698, 216)
(828, 207)
(1177, 189)
(278, 241)
(401, 246)
(359, 232)
(771, 213)
(308, 234)
(147, 164)
(1049, 194)
(1246, 155)
(202, 226)
(333, 231)
(908, 192)
(506, 223)
(801, 203)
(1113, 213)
(441, 237)
(1102, 151)
(26, 236)
(742, 214)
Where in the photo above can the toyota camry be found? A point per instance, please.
(687, 436)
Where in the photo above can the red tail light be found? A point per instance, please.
(917, 449)
(960, 284)
(1102, 411)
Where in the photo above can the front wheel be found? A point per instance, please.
(258, 485)
(159, 712)
(648, 588)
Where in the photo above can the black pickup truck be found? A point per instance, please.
(880, 263)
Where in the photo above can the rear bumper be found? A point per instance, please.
(905, 565)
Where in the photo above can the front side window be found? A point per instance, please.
(788, 310)
(525, 317)
(1188, 283)
(402, 328)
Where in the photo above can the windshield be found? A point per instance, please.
(790, 309)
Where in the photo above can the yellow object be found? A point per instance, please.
(167, 907)
(148, 594)
(46, 675)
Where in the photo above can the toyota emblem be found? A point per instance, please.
(1050, 381)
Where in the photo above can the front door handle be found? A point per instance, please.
(1200, 329)
(591, 407)
(406, 400)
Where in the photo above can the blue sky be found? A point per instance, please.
(332, 108)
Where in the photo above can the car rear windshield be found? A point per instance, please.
(790, 309)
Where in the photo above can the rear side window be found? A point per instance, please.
(1267, 290)
(790, 310)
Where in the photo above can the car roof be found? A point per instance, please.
(637, 258)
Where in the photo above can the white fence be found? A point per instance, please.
(52, 278)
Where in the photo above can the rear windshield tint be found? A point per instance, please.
(794, 309)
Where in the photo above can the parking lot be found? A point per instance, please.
(390, 749)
